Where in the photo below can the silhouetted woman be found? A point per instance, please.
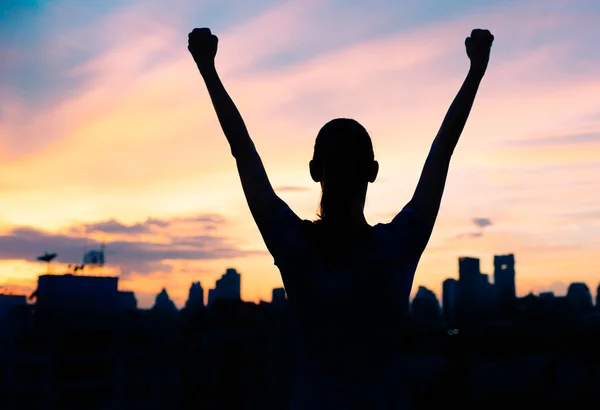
(348, 283)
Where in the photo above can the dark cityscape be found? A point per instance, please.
(81, 343)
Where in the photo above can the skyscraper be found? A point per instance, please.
(469, 278)
(9, 302)
(579, 298)
(228, 287)
(477, 299)
(425, 306)
(468, 271)
(486, 299)
(212, 293)
(195, 297)
(450, 299)
(163, 303)
(66, 294)
(504, 282)
(127, 301)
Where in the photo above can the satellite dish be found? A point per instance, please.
(47, 257)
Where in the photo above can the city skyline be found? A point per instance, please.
(84, 337)
(231, 285)
(107, 134)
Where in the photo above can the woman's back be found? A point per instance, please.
(349, 299)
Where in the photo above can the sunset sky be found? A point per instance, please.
(107, 132)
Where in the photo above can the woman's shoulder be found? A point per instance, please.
(316, 235)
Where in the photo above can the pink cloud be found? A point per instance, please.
(164, 89)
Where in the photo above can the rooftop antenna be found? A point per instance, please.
(102, 253)
(47, 257)
(85, 250)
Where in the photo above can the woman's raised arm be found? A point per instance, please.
(260, 195)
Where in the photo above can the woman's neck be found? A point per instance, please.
(345, 222)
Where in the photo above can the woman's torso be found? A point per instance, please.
(349, 307)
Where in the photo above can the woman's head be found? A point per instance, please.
(343, 163)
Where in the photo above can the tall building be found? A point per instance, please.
(163, 303)
(598, 298)
(468, 272)
(425, 306)
(468, 277)
(195, 297)
(212, 295)
(486, 299)
(8, 302)
(477, 299)
(278, 296)
(68, 294)
(450, 299)
(127, 301)
(504, 282)
(72, 351)
(579, 298)
(228, 287)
